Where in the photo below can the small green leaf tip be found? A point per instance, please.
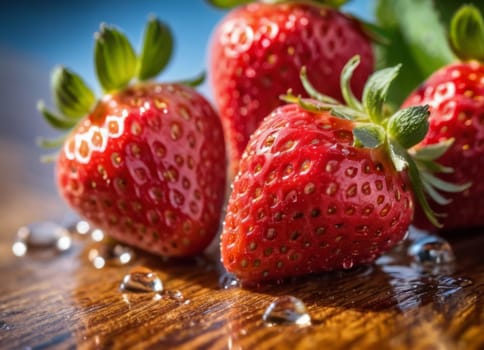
(194, 82)
(345, 79)
(433, 151)
(54, 120)
(467, 33)
(114, 58)
(225, 4)
(409, 126)
(157, 49)
(312, 92)
(73, 97)
(376, 91)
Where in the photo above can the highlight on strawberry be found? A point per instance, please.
(455, 95)
(326, 186)
(146, 161)
(259, 47)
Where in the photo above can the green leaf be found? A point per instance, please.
(345, 79)
(157, 49)
(197, 81)
(311, 90)
(49, 158)
(347, 113)
(376, 33)
(433, 151)
(51, 143)
(55, 121)
(432, 167)
(467, 33)
(418, 190)
(409, 126)
(375, 92)
(436, 196)
(309, 105)
(397, 155)
(425, 34)
(115, 59)
(369, 135)
(73, 97)
(418, 33)
(444, 185)
(228, 3)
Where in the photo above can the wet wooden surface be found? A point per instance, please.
(62, 301)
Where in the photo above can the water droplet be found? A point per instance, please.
(347, 263)
(97, 235)
(82, 227)
(287, 310)
(406, 236)
(41, 235)
(228, 281)
(111, 254)
(141, 280)
(5, 326)
(175, 295)
(431, 250)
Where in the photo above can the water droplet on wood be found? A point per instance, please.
(287, 310)
(141, 280)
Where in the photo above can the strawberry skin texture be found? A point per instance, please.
(306, 200)
(257, 52)
(455, 95)
(147, 166)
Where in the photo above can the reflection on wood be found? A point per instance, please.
(61, 300)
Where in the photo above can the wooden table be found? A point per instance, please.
(63, 301)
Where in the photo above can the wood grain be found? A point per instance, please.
(60, 301)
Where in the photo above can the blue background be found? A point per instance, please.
(37, 35)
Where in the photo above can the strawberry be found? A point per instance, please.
(455, 94)
(146, 162)
(323, 186)
(258, 49)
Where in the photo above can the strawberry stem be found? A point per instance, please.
(467, 33)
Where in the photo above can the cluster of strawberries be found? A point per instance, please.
(323, 174)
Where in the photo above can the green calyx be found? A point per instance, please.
(116, 64)
(225, 4)
(157, 49)
(409, 126)
(467, 33)
(395, 133)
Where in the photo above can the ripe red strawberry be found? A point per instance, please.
(146, 163)
(455, 95)
(315, 192)
(258, 50)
